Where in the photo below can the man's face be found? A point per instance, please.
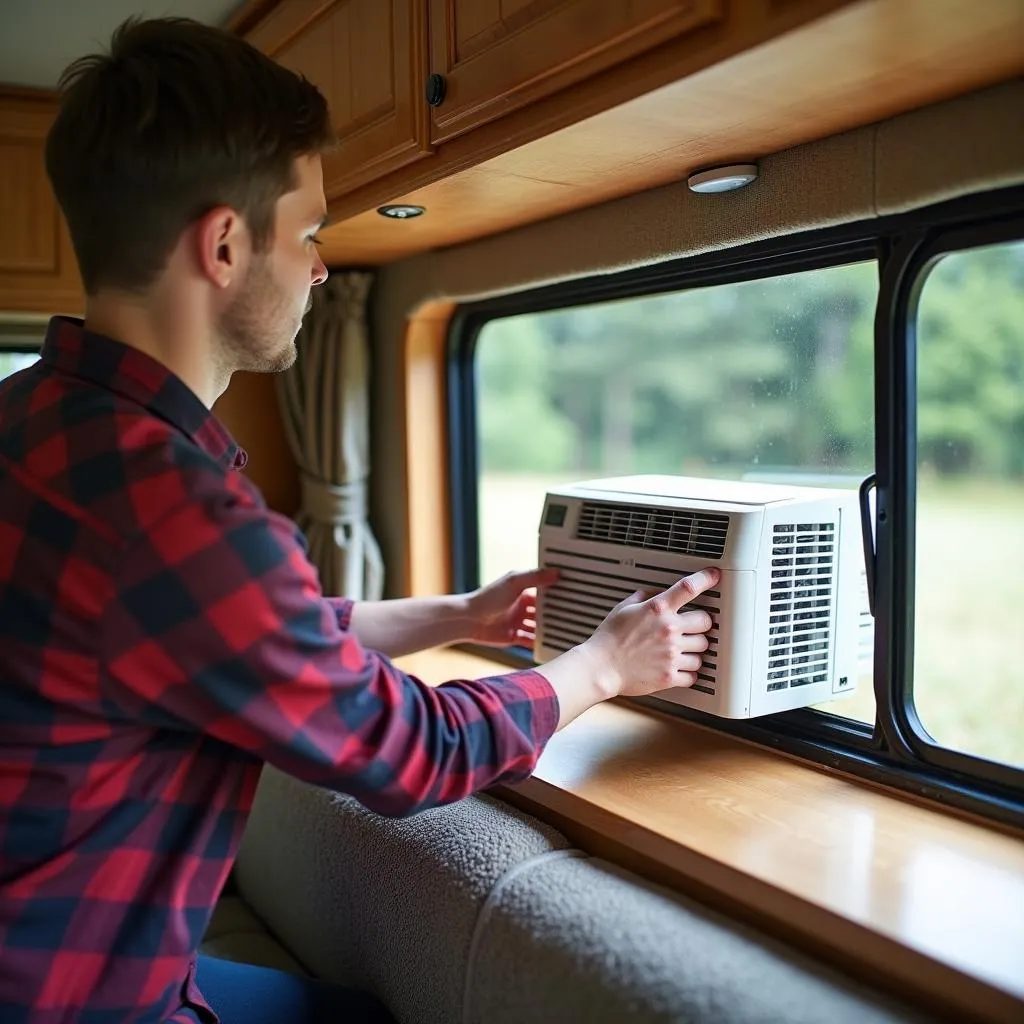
(257, 331)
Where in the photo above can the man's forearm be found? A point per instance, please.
(411, 624)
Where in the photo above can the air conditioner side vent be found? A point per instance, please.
(801, 604)
(679, 531)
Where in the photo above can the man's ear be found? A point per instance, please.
(222, 246)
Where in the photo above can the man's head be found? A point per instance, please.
(187, 165)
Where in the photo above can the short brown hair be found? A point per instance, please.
(177, 119)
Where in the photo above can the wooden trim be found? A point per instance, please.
(280, 23)
(28, 93)
(904, 896)
(425, 429)
(248, 15)
(495, 80)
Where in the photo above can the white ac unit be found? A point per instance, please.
(789, 611)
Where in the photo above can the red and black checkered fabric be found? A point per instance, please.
(162, 635)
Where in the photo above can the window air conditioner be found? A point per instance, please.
(790, 612)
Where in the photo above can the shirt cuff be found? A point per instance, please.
(544, 701)
(343, 611)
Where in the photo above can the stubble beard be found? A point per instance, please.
(257, 331)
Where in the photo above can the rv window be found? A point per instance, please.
(968, 644)
(766, 380)
(12, 361)
(892, 349)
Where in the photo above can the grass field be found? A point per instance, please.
(969, 661)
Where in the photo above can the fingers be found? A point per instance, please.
(691, 586)
(695, 622)
(694, 643)
(534, 578)
(686, 663)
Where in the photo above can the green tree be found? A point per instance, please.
(519, 427)
(971, 363)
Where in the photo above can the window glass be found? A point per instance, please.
(11, 362)
(969, 595)
(768, 380)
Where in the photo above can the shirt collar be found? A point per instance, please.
(125, 370)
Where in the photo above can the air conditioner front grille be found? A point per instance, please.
(655, 529)
(578, 603)
(800, 610)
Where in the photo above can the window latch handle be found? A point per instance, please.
(867, 534)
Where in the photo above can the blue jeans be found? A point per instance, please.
(244, 994)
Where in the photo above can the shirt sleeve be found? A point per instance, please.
(217, 624)
(342, 607)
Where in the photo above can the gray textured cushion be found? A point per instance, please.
(477, 912)
(579, 939)
(382, 904)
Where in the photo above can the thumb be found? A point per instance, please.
(689, 587)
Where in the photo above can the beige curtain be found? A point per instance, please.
(325, 406)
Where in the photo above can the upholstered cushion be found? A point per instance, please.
(481, 914)
(236, 933)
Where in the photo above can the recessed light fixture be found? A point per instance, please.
(401, 211)
(722, 179)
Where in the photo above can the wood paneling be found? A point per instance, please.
(425, 434)
(38, 273)
(500, 55)
(28, 210)
(280, 22)
(250, 410)
(864, 62)
(369, 59)
(903, 894)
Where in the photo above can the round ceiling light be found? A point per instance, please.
(401, 211)
(723, 179)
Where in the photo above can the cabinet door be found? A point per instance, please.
(38, 272)
(498, 55)
(369, 59)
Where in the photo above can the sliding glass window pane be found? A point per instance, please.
(768, 380)
(969, 601)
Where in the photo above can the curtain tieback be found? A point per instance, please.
(337, 504)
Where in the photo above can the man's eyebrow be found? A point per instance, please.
(322, 222)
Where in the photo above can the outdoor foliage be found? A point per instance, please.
(772, 374)
(775, 378)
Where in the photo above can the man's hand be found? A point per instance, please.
(645, 644)
(649, 643)
(505, 612)
(502, 613)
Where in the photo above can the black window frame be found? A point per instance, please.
(896, 751)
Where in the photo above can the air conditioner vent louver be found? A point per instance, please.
(800, 611)
(578, 603)
(680, 531)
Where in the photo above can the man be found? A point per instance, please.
(162, 634)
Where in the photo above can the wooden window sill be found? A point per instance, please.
(928, 905)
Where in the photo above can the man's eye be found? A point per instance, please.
(316, 239)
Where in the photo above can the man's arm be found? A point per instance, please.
(502, 612)
(410, 624)
(216, 624)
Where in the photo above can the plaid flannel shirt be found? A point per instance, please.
(162, 635)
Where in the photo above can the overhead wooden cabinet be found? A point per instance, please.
(38, 272)
(369, 59)
(498, 55)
